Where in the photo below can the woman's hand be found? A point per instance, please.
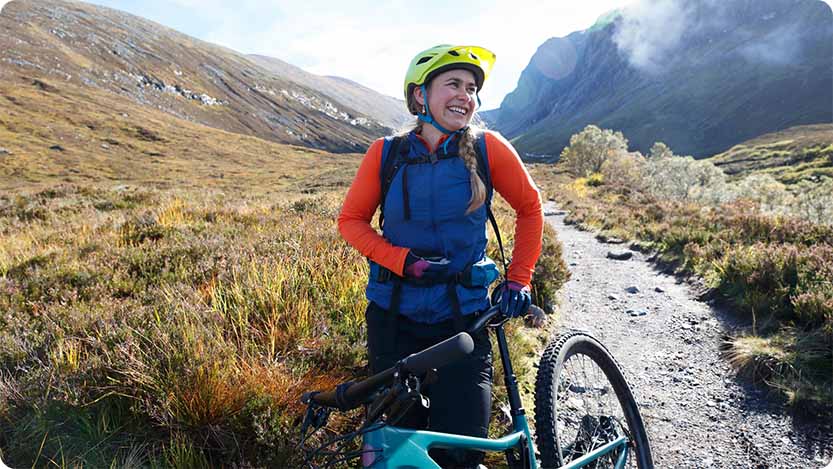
(514, 299)
(426, 268)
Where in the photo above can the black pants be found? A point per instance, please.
(460, 399)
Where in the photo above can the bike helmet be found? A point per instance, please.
(438, 59)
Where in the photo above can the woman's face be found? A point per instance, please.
(452, 98)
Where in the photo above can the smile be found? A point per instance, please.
(458, 110)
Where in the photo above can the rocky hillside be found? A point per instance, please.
(700, 76)
(389, 111)
(67, 43)
(791, 155)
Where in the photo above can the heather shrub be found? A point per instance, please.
(624, 170)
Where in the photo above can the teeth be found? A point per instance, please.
(456, 109)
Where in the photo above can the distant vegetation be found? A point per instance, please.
(764, 245)
(803, 153)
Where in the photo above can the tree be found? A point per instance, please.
(590, 148)
(660, 150)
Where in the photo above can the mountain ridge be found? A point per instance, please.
(590, 77)
(159, 67)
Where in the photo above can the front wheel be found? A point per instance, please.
(583, 402)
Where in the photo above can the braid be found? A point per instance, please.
(467, 153)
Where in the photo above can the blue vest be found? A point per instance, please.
(438, 195)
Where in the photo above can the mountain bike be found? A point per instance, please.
(585, 413)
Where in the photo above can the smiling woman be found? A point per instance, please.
(429, 273)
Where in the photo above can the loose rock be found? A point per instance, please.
(619, 255)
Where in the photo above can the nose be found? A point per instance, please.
(465, 95)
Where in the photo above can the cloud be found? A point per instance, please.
(649, 32)
(652, 32)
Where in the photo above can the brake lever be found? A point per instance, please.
(316, 417)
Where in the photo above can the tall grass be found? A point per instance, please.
(167, 328)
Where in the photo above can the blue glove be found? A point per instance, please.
(431, 269)
(515, 299)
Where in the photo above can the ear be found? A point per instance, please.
(419, 97)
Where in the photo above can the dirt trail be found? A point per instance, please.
(697, 413)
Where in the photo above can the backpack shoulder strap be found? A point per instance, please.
(391, 162)
(486, 176)
(483, 165)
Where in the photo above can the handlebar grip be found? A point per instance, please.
(436, 356)
(441, 354)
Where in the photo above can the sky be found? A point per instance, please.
(372, 41)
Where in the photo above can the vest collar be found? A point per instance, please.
(422, 147)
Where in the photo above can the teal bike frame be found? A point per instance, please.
(390, 447)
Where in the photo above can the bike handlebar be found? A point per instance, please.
(436, 356)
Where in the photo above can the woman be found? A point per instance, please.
(429, 275)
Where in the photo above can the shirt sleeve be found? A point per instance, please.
(512, 181)
(354, 221)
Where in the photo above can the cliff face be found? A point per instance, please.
(700, 76)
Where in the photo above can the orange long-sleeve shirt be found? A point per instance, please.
(509, 178)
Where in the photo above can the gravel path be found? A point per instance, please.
(697, 413)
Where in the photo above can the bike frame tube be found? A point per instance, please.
(405, 448)
(621, 442)
(400, 448)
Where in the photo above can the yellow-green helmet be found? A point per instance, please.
(444, 57)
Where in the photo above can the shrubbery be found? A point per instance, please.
(765, 246)
(682, 178)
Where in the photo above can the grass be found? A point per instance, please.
(177, 327)
(790, 156)
(775, 271)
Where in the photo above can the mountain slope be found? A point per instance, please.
(387, 110)
(53, 132)
(790, 155)
(700, 76)
(104, 49)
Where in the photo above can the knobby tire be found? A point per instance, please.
(556, 386)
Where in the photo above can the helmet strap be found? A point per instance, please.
(426, 116)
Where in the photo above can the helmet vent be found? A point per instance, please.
(423, 60)
(454, 53)
(473, 56)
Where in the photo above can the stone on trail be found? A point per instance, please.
(619, 255)
(609, 239)
(632, 290)
(637, 312)
(536, 317)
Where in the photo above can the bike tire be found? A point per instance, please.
(560, 394)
